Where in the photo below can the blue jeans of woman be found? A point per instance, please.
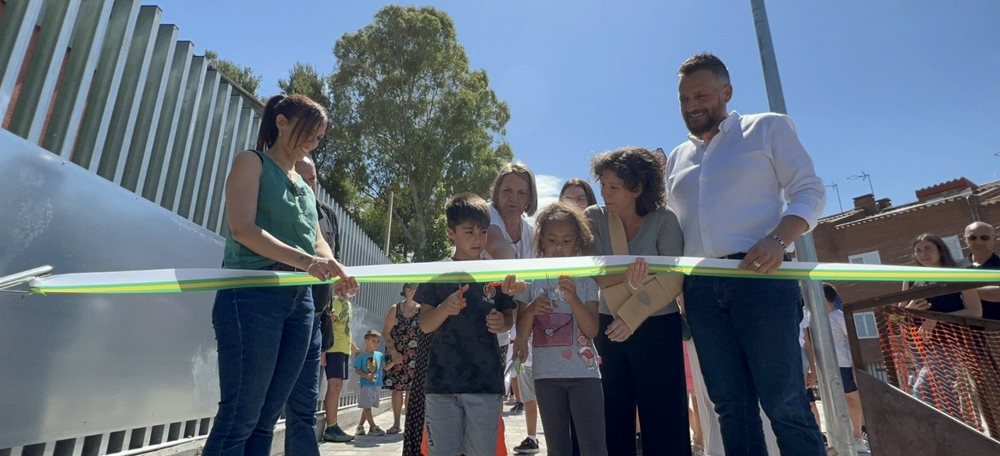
(263, 335)
(300, 410)
(746, 334)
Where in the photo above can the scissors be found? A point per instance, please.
(551, 292)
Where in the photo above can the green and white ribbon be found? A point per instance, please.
(178, 280)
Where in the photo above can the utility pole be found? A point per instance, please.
(388, 224)
(838, 422)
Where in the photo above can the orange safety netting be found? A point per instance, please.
(954, 368)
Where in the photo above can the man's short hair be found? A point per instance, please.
(372, 334)
(467, 208)
(705, 61)
(974, 225)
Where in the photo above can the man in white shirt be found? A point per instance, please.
(729, 185)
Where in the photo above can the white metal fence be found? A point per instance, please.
(102, 84)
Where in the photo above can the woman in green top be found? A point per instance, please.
(263, 333)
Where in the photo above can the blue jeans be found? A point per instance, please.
(746, 334)
(263, 335)
(300, 410)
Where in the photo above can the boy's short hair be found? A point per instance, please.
(467, 208)
(372, 334)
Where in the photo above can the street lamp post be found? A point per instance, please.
(838, 420)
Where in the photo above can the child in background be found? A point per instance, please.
(561, 316)
(840, 342)
(369, 365)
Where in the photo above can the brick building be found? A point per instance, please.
(876, 232)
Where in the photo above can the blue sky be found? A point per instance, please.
(906, 91)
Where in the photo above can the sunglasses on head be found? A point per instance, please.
(973, 237)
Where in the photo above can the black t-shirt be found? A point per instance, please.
(328, 228)
(991, 310)
(464, 356)
(947, 303)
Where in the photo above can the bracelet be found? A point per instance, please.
(780, 241)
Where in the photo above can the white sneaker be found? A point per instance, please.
(861, 445)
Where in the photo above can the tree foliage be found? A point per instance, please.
(243, 76)
(335, 168)
(409, 116)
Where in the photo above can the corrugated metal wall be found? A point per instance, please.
(104, 85)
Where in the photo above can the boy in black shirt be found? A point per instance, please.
(464, 385)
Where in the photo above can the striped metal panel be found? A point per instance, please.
(43, 71)
(104, 85)
(16, 27)
(86, 42)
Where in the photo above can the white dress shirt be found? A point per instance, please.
(731, 193)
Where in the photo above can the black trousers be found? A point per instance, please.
(646, 370)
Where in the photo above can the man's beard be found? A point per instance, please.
(712, 119)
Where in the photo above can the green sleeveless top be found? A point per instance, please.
(285, 210)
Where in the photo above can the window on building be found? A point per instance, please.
(864, 322)
(955, 246)
(865, 258)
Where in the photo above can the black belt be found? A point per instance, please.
(742, 255)
(281, 267)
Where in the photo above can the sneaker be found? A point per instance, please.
(375, 430)
(393, 430)
(360, 430)
(336, 434)
(861, 446)
(517, 408)
(527, 446)
(638, 444)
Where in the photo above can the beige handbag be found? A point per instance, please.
(654, 294)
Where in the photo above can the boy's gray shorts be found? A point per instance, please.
(369, 397)
(463, 423)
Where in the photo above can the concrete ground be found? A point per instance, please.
(514, 424)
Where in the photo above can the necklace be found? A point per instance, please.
(289, 171)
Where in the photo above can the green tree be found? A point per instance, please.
(417, 121)
(243, 76)
(336, 169)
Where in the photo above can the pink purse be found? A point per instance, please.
(552, 330)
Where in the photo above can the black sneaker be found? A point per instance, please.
(517, 408)
(638, 444)
(528, 446)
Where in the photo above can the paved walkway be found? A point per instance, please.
(516, 431)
